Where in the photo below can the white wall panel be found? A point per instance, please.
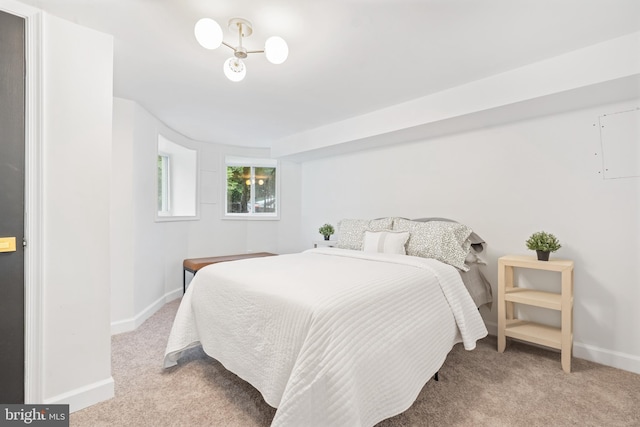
(77, 111)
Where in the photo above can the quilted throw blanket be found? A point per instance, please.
(330, 337)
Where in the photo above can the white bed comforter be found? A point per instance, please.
(330, 337)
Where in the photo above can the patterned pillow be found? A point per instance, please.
(351, 231)
(387, 242)
(445, 241)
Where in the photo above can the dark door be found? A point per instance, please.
(12, 164)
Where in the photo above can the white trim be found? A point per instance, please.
(85, 396)
(128, 325)
(33, 328)
(34, 344)
(616, 359)
(168, 218)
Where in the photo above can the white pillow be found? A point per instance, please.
(387, 242)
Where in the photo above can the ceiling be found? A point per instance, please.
(346, 57)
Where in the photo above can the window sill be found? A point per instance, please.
(251, 217)
(176, 218)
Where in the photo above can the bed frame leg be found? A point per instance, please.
(435, 377)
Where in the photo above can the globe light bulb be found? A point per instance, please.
(234, 69)
(208, 33)
(276, 50)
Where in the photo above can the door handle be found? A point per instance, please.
(7, 244)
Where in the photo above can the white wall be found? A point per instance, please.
(507, 182)
(149, 268)
(76, 140)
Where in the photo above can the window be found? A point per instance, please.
(163, 184)
(176, 181)
(252, 188)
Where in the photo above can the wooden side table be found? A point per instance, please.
(192, 265)
(510, 294)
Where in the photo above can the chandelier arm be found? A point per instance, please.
(255, 51)
(228, 45)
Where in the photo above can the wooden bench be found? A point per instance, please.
(192, 265)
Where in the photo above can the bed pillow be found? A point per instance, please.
(351, 231)
(445, 241)
(387, 242)
(476, 240)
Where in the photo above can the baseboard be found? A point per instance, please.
(86, 396)
(615, 359)
(128, 325)
(603, 356)
(175, 294)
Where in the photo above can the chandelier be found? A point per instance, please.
(209, 35)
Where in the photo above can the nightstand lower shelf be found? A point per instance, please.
(534, 332)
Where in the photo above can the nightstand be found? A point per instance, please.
(509, 294)
(324, 243)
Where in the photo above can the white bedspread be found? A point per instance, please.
(330, 337)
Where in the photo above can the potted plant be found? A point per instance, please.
(543, 243)
(326, 230)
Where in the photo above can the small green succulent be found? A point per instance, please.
(543, 241)
(326, 230)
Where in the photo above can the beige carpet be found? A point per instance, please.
(525, 386)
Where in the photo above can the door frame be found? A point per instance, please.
(33, 255)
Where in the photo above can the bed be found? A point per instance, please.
(333, 336)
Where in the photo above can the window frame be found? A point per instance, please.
(251, 163)
(164, 185)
